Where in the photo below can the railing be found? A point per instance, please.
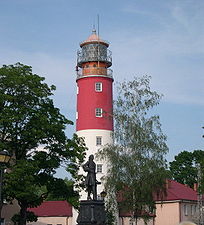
(91, 71)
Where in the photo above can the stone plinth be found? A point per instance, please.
(92, 212)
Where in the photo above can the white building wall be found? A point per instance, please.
(90, 140)
(62, 220)
(128, 221)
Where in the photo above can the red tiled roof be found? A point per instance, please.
(177, 191)
(174, 191)
(53, 208)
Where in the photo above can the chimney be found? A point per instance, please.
(167, 184)
(195, 187)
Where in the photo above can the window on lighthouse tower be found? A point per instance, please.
(98, 140)
(99, 168)
(98, 86)
(98, 112)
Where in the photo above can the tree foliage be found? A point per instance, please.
(30, 217)
(29, 121)
(184, 168)
(136, 159)
(65, 191)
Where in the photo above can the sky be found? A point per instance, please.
(163, 39)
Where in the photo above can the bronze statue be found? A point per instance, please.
(92, 211)
(90, 181)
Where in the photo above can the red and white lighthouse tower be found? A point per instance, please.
(94, 119)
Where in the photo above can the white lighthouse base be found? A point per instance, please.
(92, 139)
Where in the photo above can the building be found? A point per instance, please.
(179, 204)
(8, 210)
(94, 120)
(125, 219)
(53, 213)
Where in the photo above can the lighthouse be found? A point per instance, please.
(94, 121)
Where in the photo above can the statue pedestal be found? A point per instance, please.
(91, 212)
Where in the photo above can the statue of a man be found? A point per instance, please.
(90, 181)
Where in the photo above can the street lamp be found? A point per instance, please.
(103, 195)
(4, 159)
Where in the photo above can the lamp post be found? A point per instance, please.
(103, 195)
(4, 158)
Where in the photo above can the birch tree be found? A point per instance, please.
(137, 165)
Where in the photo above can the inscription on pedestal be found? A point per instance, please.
(91, 212)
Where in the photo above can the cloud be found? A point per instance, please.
(187, 13)
(172, 55)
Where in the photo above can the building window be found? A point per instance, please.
(185, 209)
(98, 86)
(98, 112)
(195, 209)
(131, 221)
(99, 168)
(98, 140)
(192, 210)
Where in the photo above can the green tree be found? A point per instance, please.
(65, 192)
(137, 167)
(29, 121)
(184, 168)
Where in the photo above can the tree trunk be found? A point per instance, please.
(22, 220)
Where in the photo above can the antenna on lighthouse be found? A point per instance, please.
(98, 37)
(98, 23)
(94, 26)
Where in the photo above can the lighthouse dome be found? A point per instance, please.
(94, 49)
(94, 38)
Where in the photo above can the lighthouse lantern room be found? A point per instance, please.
(94, 119)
